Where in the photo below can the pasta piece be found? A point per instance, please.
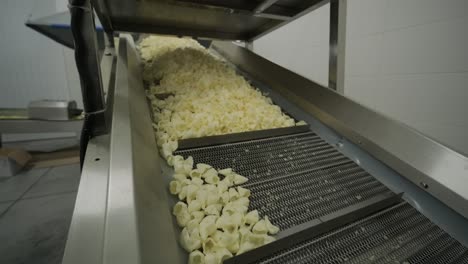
(175, 187)
(232, 207)
(243, 192)
(209, 245)
(226, 172)
(183, 193)
(195, 173)
(222, 254)
(177, 162)
(272, 229)
(250, 241)
(196, 257)
(213, 209)
(207, 226)
(190, 241)
(211, 176)
(239, 179)
(211, 258)
(183, 218)
(222, 187)
(260, 228)
(251, 218)
(268, 239)
(300, 123)
(188, 165)
(212, 198)
(243, 201)
(192, 192)
(178, 208)
(197, 215)
(179, 177)
(194, 205)
(202, 167)
(197, 181)
(233, 194)
(226, 224)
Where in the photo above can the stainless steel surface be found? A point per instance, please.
(9, 126)
(224, 19)
(239, 137)
(56, 27)
(86, 234)
(264, 5)
(407, 151)
(138, 225)
(333, 56)
(51, 109)
(338, 9)
(130, 220)
(311, 6)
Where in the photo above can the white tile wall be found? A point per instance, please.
(407, 59)
(410, 62)
(428, 48)
(33, 66)
(364, 56)
(365, 17)
(407, 13)
(301, 46)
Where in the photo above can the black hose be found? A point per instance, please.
(86, 58)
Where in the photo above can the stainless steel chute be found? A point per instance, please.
(225, 19)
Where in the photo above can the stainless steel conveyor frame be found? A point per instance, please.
(122, 213)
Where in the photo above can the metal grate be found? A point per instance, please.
(399, 234)
(295, 178)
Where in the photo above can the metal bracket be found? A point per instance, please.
(337, 45)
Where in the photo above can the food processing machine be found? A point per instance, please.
(352, 186)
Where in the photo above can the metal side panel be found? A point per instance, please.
(434, 167)
(138, 222)
(86, 233)
(219, 19)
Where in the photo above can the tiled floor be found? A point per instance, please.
(36, 207)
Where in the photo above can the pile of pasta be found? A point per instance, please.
(202, 95)
(194, 94)
(213, 212)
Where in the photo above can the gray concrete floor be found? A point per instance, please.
(36, 207)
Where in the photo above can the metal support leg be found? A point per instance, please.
(87, 61)
(337, 45)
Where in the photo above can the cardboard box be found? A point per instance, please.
(12, 161)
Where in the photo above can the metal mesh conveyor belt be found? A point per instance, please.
(399, 234)
(293, 178)
(300, 181)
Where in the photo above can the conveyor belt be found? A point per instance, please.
(294, 178)
(397, 235)
(299, 180)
